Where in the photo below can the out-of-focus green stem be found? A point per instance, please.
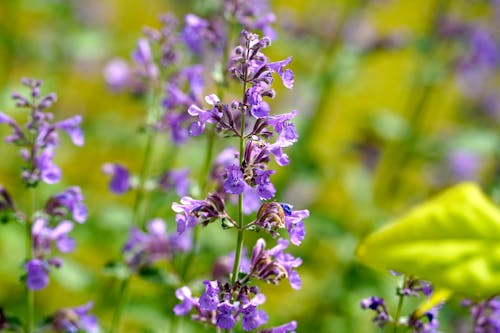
(30, 294)
(122, 300)
(400, 306)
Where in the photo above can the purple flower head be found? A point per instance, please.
(265, 188)
(45, 169)
(75, 320)
(45, 237)
(144, 249)
(413, 287)
(288, 327)
(209, 300)
(378, 305)
(190, 212)
(120, 177)
(253, 15)
(175, 179)
(294, 224)
(486, 315)
(252, 318)
(68, 202)
(143, 57)
(286, 75)
(428, 323)
(287, 134)
(204, 116)
(464, 165)
(72, 127)
(37, 274)
(185, 296)
(273, 265)
(234, 183)
(117, 74)
(195, 33)
(251, 200)
(225, 319)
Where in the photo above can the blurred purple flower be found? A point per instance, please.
(175, 179)
(37, 274)
(117, 74)
(120, 181)
(464, 165)
(77, 319)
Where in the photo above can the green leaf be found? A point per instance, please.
(452, 240)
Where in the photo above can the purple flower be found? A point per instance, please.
(287, 134)
(486, 315)
(185, 296)
(37, 274)
(72, 127)
(251, 200)
(190, 212)
(287, 76)
(253, 318)
(378, 305)
(234, 183)
(225, 319)
(74, 320)
(204, 116)
(464, 165)
(265, 188)
(117, 74)
(144, 249)
(288, 327)
(120, 181)
(49, 172)
(428, 323)
(194, 32)
(69, 201)
(175, 179)
(273, 265)
(144, 58)
(209, 300)
(294, 224)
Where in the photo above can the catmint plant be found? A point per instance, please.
(245, 173)
(47, 227)
(417, 322)
(485, 314)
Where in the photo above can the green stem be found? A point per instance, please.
(139, 206)
(30, 294)
(400, 306)
(122, 298)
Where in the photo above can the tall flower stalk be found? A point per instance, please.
(47, 228)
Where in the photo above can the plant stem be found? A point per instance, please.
(30, 294)
(122, 298)
(400, 306)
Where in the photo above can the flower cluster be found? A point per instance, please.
(72, 320)
(245, 177)
(40, 137)
(485, 315)
(223, 305)
(416, 321)
(60, 210)
(143, 249)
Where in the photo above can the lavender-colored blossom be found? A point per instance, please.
(209, 300)
(74, 320)
(252, 318)
(464, 165)
(120, 177)
(117, 74)
(72, 127)
(265, 188)
(287, 134)
(68, 202)
(252, 15)
(175, 179)
(225, 319)
(144, 58)
(273, 265)
(234, 183)
(294, 224)
(195, 33)
(288, 327)
(286, 75)
(428, 323)
(190, 212)
(251, 200)
(144, 249)
(204, 116)
(37, 276)
(377, 304)
(271, 217)
(185, 296)
(485, 315)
